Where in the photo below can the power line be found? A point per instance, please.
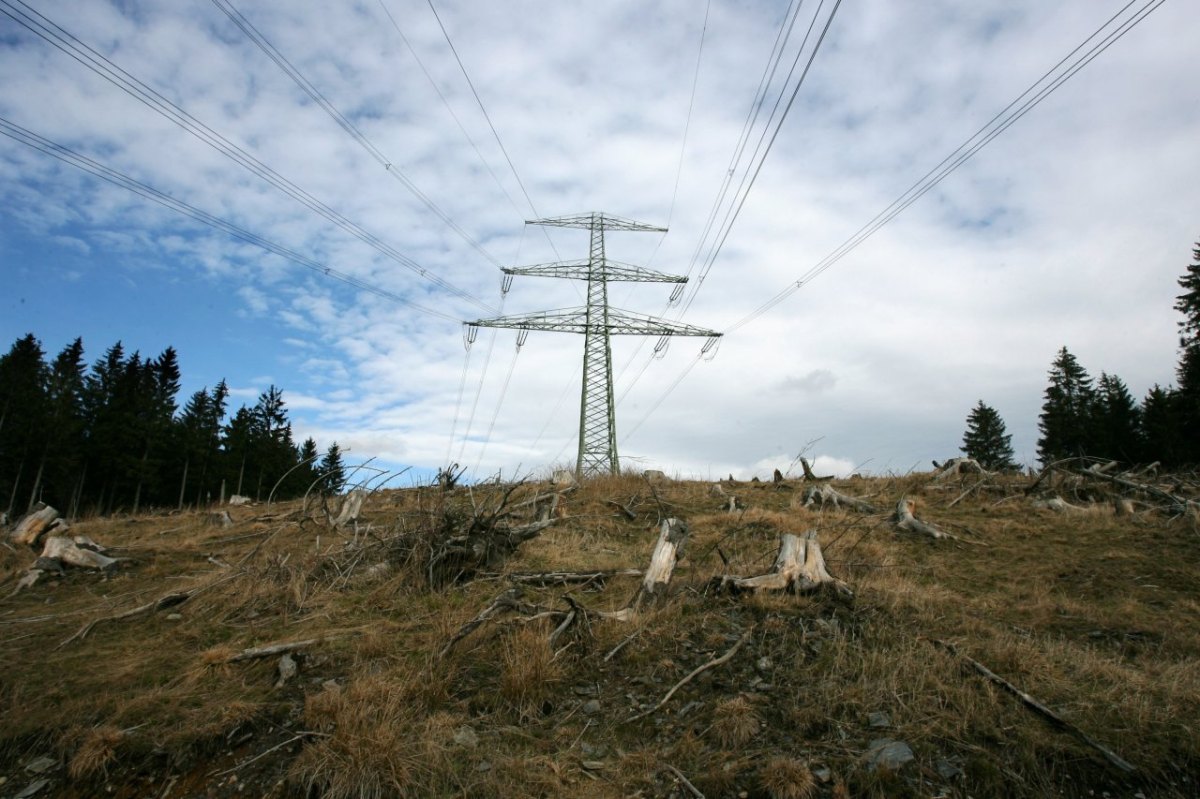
(993, 128)
(105, 68)
(487, 116)
(257, 37)
(981, 138)
(413, 52)
(69, 156)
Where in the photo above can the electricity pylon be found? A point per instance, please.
(597, 321)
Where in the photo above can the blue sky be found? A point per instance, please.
(1069, 229)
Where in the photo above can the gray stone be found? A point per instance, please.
(174, 617)
(764, 664)
(465, 736)
(948, 770)
(879, 719)
(32, 788)
(885, 754)
(823, 774)
(591, 707)
(483, 766)
(593, 752)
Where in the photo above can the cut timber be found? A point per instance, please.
(826, 494)
(906, 521)
(34, 526)
(958, 466)
(808, 472)
(270, 650)
(67, 551)
(799, 568)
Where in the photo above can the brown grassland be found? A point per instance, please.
(1095, 615)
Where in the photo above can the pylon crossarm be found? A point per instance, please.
(575, 320)
(604, 221)
(611, 271)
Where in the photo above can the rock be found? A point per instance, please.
(886, 754)
(483, 766)
(287, 670)
(823, 774)
(174, 617)
(593, 752)
(764, 664)
(591, 707)
(585, 690)
(593, 765)
(948, 770)
(465, 736)
(40, 765)
(878, 719)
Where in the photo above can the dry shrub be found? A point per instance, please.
(384, 740)
(98, 749)
(787, 778)
(529, 672)
(735, 722)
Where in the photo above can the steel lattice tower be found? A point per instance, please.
(597, 321)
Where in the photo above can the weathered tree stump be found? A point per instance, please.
(956, 466)
(906, 521)
(672, 536)
(799, 568)
(826, 494)
(808, 472)
(34, 526)
(64, 550)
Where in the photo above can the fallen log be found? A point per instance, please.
(1036, 706)
(278, 648)
(799, 568)
(828, 495)
(66, 551)
(957, 466)
(1057, 504)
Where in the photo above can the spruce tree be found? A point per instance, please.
(23, 377)
(987, 440)
(1116, 421)
(1188, 371)
(333, 473)
(1066, 419)
(1160, 428)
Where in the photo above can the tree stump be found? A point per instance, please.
(905, 520)
(672, 536)
(34, 526)
(799, 568)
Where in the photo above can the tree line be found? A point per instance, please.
(1100, 418)
(112, 437)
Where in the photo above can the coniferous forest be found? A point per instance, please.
(114, 437)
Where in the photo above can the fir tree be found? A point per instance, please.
(1160, 428)
(1065, 422)
(333, 474)
(987, 440)
(1188, 371)
(22, 420)
(1115, 421)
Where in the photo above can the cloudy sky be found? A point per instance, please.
(1070, 228)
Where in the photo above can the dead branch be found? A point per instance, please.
(712, 664)
(565, 578)
(163, 602)
(695, 792)
(808, 472)
(277, 648)
(1039, 708)
(627, 510)
(1056, 504)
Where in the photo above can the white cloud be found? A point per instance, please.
(1068, 229)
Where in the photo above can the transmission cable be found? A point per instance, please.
(256, 36)
(500, 402)
(495, 133)
(1001, 122)
(959, 156)
(462, 384)
(105, 68)
(69, 156)
(416, 57)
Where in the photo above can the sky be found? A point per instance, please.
(1069, 229)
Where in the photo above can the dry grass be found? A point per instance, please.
(1087, 612)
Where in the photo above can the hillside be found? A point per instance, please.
(1094, 614)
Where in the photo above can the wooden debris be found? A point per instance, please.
(799, 568)
(712, 664)
(1057, 504)
(270, 650)
(654, 474)
(692, 789)
(566, 578)
(163, 602)
(957, 466)
(826, 494)
(626, 510)
(287, 669)
(350, 509)
(67, 551)
(906, 521)
(1040, 708)
(30, 529)
(564, 478)
(808, 472)
(672, 536)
